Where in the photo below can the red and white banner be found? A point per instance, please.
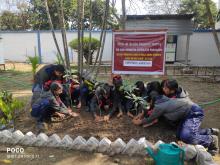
(139, 52)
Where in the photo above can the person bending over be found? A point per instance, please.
(187, 116)
(50, 104)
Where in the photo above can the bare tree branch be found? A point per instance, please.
(212, 24)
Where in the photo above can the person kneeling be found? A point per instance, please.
(187, 116)
(50, 104)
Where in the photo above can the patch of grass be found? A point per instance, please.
(15, 80)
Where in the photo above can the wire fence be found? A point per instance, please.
(13, 80)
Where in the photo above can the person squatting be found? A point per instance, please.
(145, 104)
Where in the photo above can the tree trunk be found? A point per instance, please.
(123, 14)
(63, 30)
(98, 52)
(103, 41)
(82, 35)
(89, 62)
(79, 34)
(52, 30)
(80, 12)
(212, 24)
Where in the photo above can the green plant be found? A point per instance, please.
(34, 63)
(137, 100)
(8, 107)
(94, 46)
(58, 59)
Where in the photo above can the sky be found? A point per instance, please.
(138, 8)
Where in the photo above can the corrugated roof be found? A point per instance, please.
(160, 16)
(176, 24)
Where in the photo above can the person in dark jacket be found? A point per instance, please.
(118, 98)
(44, 77)
(151, 86)
(50, 104)
(46, 73)
(102, 101)
(189, 117)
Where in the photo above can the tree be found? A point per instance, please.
(198, 8)
(18, 19)
(94, 46)
(212, 24)
(9, 21)
(161, 6)
(39, 18)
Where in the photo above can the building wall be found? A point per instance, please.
(17, 45)
(202, 49)
(1, 52)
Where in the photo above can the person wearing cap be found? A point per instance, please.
(185, 115)
(50, 104)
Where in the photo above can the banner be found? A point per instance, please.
(139, 52)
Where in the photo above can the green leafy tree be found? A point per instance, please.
(94, 46)
(198, 8)
(16, 20)
(9, 21)
(39, 16)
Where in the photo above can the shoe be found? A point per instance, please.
(213, 148)
(214, 131)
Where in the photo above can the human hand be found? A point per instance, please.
(119, 114)
(106, 118)
(62, 116)
(137, 121)
(79, 105)
(150, 124)
(74, 114)
(130, 115)
(98, 118)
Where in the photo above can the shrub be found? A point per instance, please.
(8, 107)
(94, 46)
(34, 63)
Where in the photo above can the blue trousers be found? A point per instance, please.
(189, 130)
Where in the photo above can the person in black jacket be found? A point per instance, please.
(46, 73)
(118, 98)
(102, 101)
